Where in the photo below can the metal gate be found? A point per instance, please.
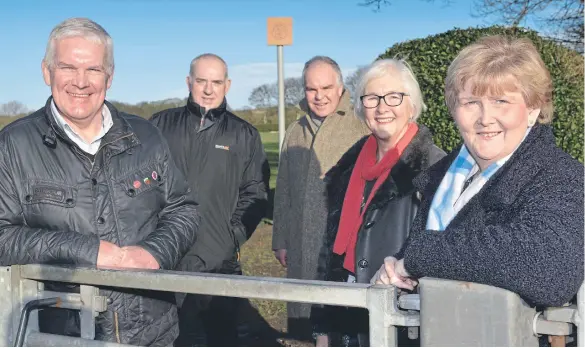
(447, 312)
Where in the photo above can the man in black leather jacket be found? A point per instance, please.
(223, 159)
(84, 184)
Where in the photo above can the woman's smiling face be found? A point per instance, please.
(492, 126)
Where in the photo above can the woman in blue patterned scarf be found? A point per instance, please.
(506, 207)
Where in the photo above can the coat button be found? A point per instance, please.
(93, 181)
(363, 263)
(131, 192)
(69, 201)
(28, 198)
(101, 220)
(369, 224)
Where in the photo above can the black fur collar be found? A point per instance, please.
(416, 157)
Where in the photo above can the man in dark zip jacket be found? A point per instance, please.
(223, 159)
(84, 184)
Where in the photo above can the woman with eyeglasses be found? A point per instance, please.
(371, 198)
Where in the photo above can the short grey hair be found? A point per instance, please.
(386, 68)
(87, 29)
(203, 56)
(324, 60)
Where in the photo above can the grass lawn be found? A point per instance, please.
(264, 320)
(270, 141)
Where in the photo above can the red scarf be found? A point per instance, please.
(366, 169)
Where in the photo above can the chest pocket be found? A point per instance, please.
(144, 180)
(48, 204)
(47, 192)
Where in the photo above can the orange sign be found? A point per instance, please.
(279, 31)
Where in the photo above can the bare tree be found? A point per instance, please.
(263, 96)
(294, 91)
(266, 95)
(562, 20)
(352, 80)
(378, 4)
(12, 108)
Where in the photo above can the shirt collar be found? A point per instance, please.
(107, 122)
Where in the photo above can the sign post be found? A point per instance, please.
(279, 33)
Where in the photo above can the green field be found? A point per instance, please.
(265, 320)
(270, 141)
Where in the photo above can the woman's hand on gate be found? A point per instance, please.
(280, 255)
(392, 272)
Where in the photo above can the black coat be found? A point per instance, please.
(223, 160)
(386, 223)
(523, 231)
(56, 205)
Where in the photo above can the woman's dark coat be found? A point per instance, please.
(385, 227)
(523, 231)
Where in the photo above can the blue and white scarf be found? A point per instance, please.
(449, 199)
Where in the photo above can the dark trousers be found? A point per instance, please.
(210, 321)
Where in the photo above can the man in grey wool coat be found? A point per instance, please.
(312, 145)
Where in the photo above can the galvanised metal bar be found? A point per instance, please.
(37, 339)
(290, 290)
(68, 300)
(580, 320)
(381, 333)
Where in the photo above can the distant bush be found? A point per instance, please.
(430, 57)
(266, 120)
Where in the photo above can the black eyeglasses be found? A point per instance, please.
(370, 101)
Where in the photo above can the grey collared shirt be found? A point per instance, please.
(89, 147)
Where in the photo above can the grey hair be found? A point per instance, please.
(386, 68)
(325, 60)
(87, 29)
(206, 55)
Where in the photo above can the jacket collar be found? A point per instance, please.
(199, 111)
(118, 139)
(519, 170)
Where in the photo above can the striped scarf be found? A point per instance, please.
(449, 199)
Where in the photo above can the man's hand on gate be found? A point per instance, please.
(109, 255)
(137, 257)
(280, 255)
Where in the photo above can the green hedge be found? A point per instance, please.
(430, 57)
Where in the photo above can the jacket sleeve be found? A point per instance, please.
(253, 193)
(21, 244)
(282, 204)
(179, 219)
(538, 253)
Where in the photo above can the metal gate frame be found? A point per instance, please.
(21, 284)
(25, 284)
